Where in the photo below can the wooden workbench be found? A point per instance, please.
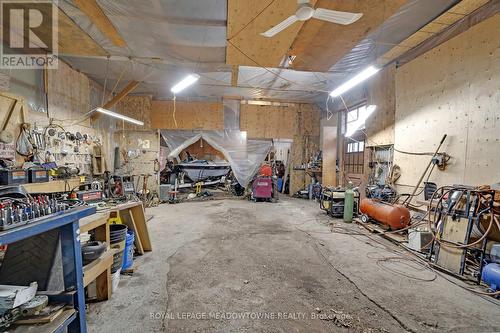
(132, 215)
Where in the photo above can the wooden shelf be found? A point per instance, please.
(97, 267)
(100, 269)
(53, 186)
(57, 325)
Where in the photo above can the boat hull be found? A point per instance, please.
(203, 172)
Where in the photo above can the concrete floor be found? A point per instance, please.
(239, 266)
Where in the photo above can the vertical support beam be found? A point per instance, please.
(73, 272)
(329, 155)
(234, 75)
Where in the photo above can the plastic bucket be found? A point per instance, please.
(280, 184)
(117, 261)
(115, 280)
(117, 233)
(128, 253)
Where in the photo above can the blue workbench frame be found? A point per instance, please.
(67, 222)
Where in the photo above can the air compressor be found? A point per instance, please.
(391, 215)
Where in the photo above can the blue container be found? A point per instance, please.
(280, 184)
(491, 276)
(128, 252)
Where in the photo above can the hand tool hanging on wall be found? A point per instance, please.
(6, 136)
(24, 144)
(413, 194)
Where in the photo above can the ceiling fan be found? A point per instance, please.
(305, 11)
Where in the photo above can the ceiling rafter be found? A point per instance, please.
(95, 14)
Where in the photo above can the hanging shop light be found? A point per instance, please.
(184, 83)
(119, 116)
(362, 76)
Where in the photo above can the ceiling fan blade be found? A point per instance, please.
(280, 26)
(336, 16)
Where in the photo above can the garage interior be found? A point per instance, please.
(250, 166)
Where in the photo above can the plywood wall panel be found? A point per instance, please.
(329, 147)
(380, 125)
(137, 107)
(68, 93)
(272, 122)
(188, 115)
(265, 121)
(452, 89)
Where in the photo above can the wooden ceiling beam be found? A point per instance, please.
(420, 39)
(118, 97)
(95, 13)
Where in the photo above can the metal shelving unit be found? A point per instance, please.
(67, 223)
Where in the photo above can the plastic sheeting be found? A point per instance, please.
(168, 39)
(245, 156)
(410, 18)
(189, 30)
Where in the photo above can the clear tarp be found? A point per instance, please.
(245, 156)
(168, 39)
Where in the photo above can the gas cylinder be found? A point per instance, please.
(266, 170)
(393, 216)
(491, 276)
(348, 203)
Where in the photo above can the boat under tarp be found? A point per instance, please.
(199, 170)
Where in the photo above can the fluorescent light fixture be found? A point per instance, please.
(361, 120)
(119, 116)
(186, 82)
(365, 74)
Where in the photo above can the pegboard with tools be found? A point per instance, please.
(54, 143)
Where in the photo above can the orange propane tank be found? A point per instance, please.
(393, 216)
(266, 170)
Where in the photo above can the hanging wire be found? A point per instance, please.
(105, 81)
(249, 22)
(173, 115)
(120, 77)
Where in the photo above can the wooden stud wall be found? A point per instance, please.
(452, 89)
(189, 115)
